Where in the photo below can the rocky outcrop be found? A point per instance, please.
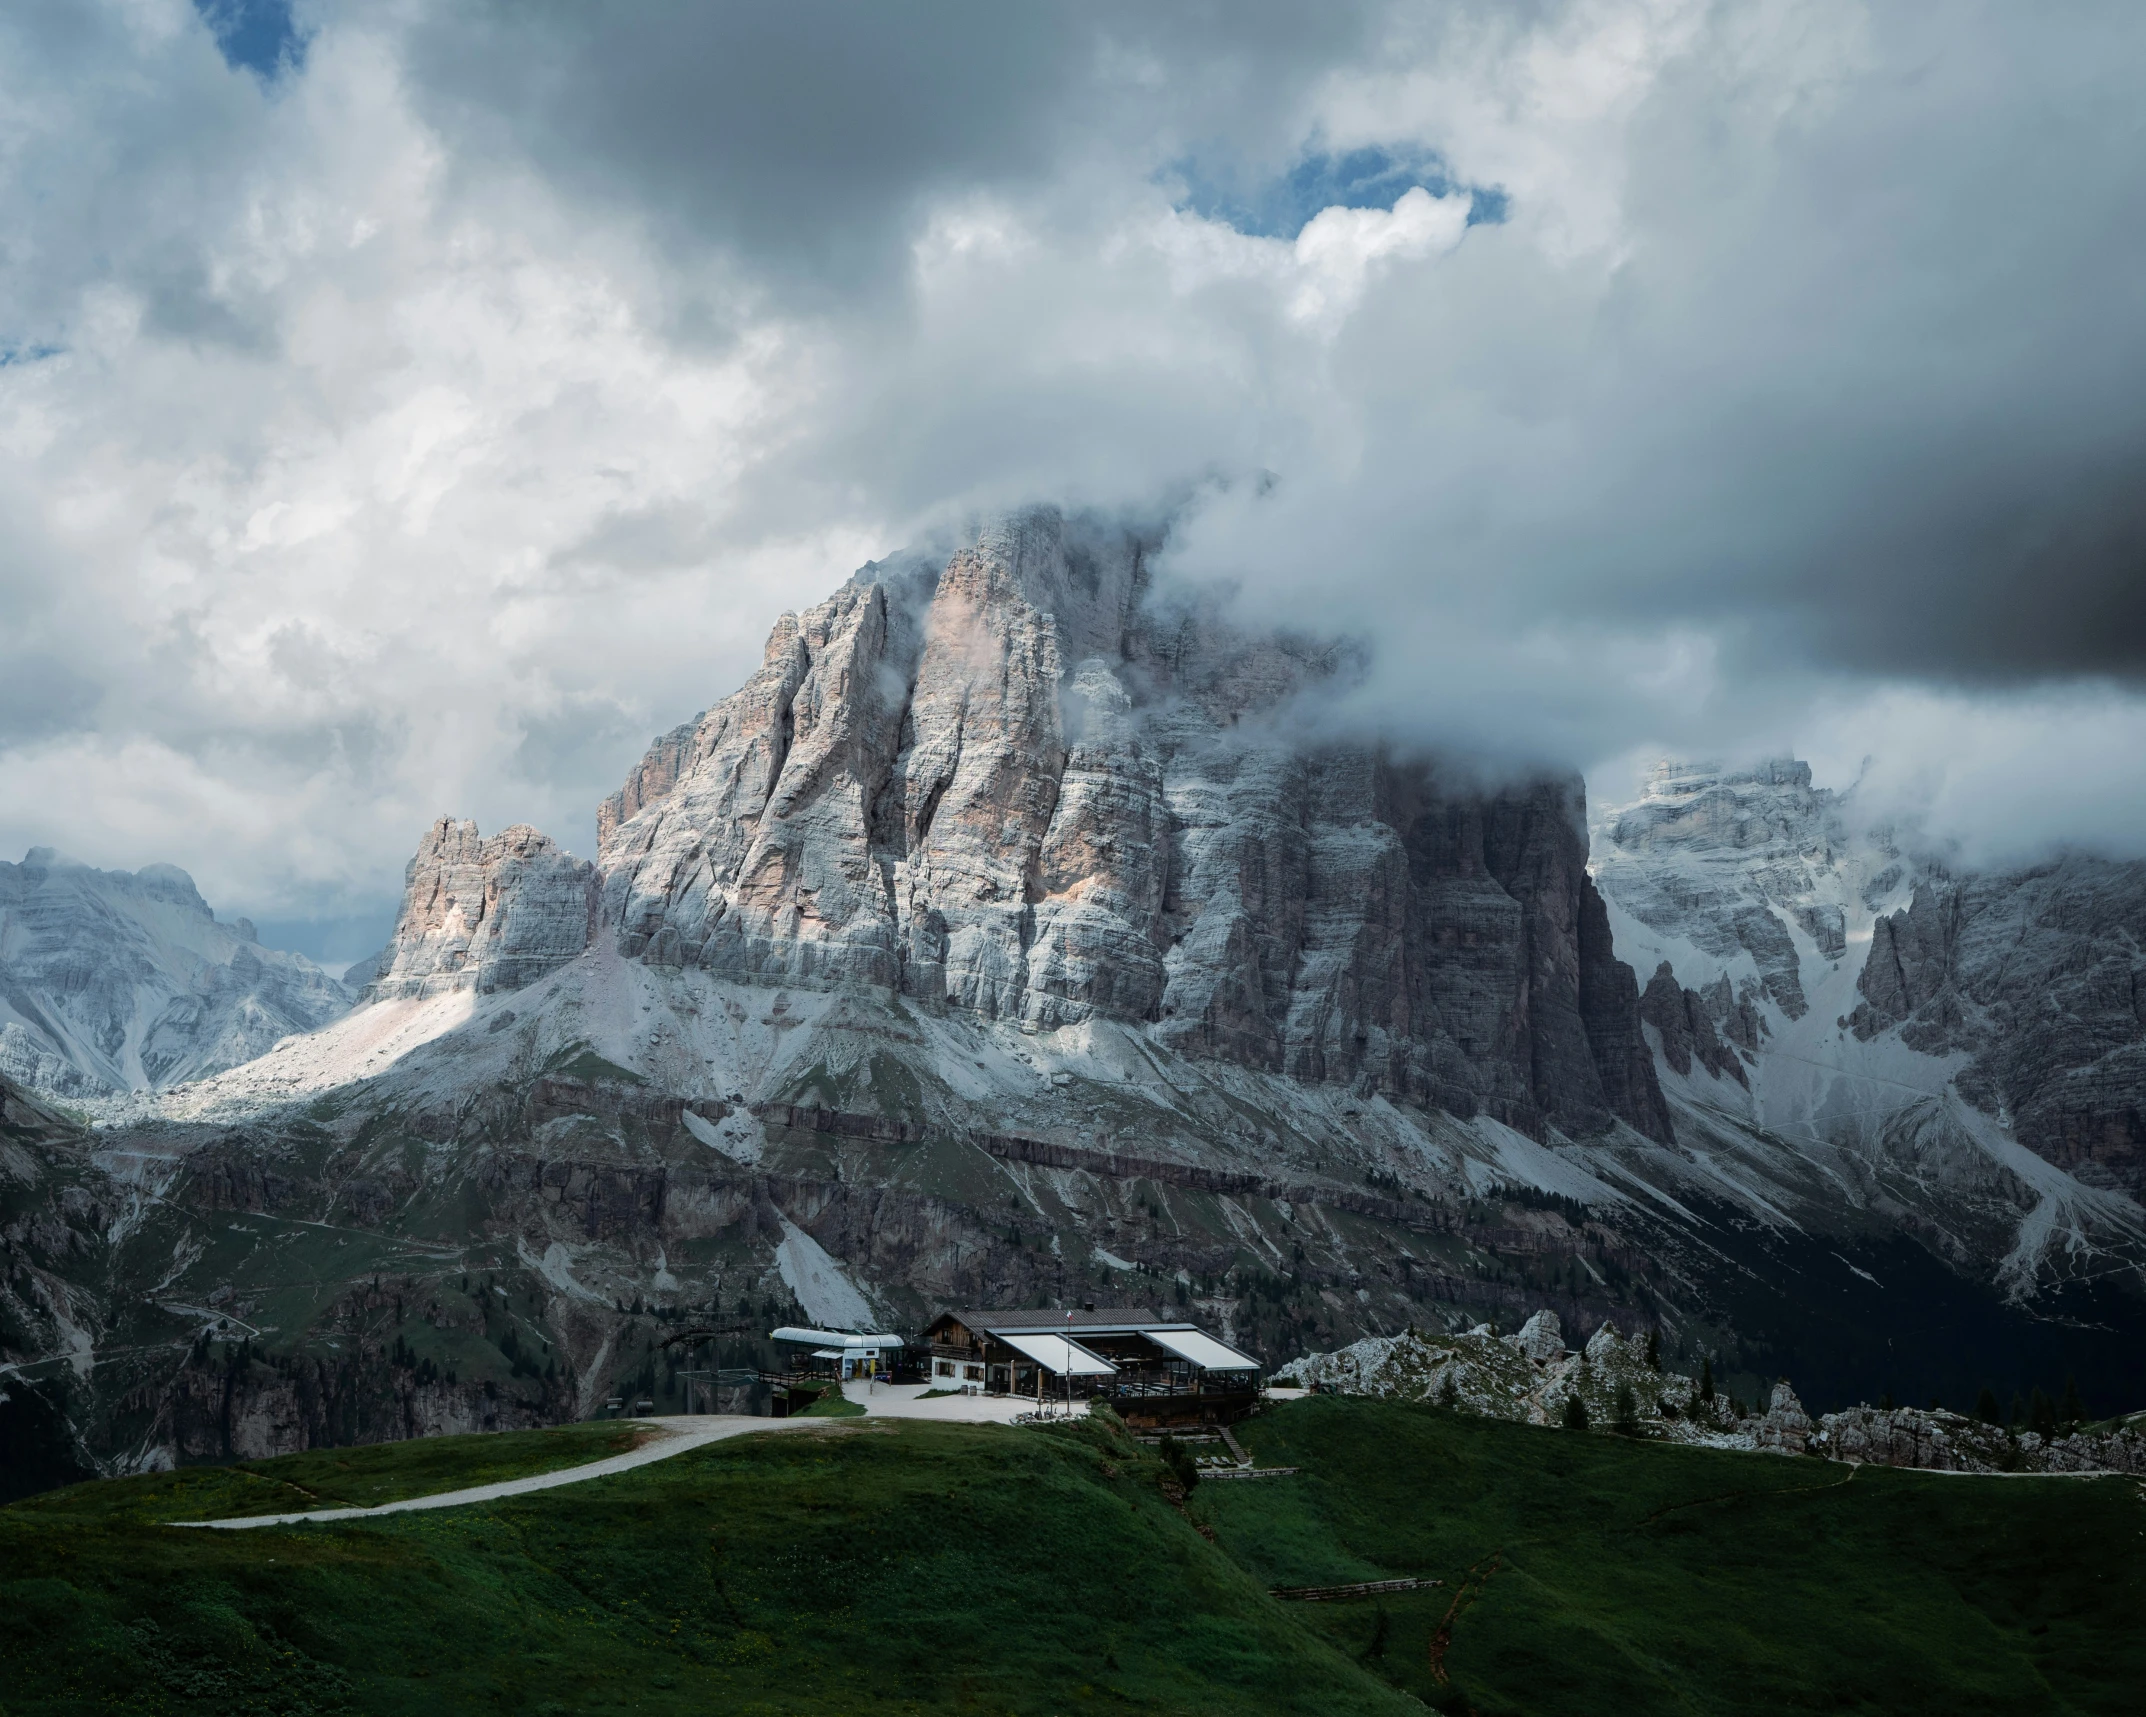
(58, 1214)
(486, 915)
(1906, 1437)
(1685, 1021)
(115, 981)
(997, 781)
(1610, 1017)
(1530, 1377)
(1540, 1339)
(1952, 1442)
(2040, 976)
(1912, 970)
(1784, 1428)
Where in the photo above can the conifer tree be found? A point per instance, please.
(2073, 1413)
(1627, 1411)
(2041, 1416)
(1706, 1380)
(1986, 1407)
(1654, 1350)
(1575, 1413)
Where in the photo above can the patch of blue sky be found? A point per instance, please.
(259, 36)
(1368, 178)
(30, 352)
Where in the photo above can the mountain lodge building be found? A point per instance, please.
(1153, 1371)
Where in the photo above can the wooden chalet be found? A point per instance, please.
(1154, 1371)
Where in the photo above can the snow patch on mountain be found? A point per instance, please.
(1761, 896)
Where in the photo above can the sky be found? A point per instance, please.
(413, 408)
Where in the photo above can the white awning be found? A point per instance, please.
(1056, 1354)
(838, 1339)
(1203, 1350)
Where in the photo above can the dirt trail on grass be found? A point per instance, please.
(1471, 1588)
(674, 1436)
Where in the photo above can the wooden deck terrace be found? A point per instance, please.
(1166, 1402)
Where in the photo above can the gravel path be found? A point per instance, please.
(677, 1435)
(905, 1401)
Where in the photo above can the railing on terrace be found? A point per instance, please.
(1208, 1385)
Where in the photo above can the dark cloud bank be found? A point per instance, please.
(1863, 375)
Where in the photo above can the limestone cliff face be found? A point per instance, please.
(1736, 863)
(59, 1215)
(997, 780)
(1686, 1023)
(2038, 975)
(1793, 941)
(485, 914)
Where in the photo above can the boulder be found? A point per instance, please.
(1541, 1338)
(1784, 1426)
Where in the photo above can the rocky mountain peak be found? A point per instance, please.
(1851, 994)
(485, 914)
(1748, 874)
(1705, 808)
(115, 980)
(997, 781)
(2037, 975)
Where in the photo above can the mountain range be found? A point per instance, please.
(1019, 934)
(115, 981)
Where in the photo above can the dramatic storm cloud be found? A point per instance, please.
(411, 409)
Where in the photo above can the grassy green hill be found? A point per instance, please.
(1596, 1575)
(866, 1566)
(362, 1477)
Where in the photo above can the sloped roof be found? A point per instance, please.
(1059, 1318)
(1055, 1353)
(1202, 1349)
(836, 1338)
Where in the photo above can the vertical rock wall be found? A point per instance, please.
(2040, 977)
(483, 914)
(997, 781)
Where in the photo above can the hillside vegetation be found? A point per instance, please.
(1587, 1573)
(362, 1477)
(916, 1567)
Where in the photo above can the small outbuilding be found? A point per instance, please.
(840, 1354)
